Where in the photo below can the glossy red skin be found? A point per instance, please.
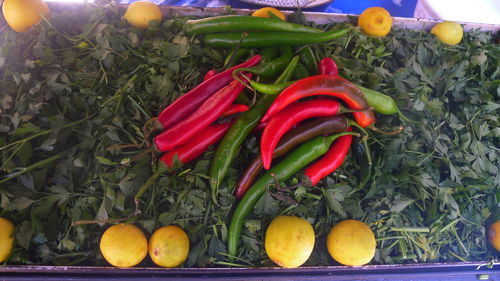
(331, 161)
(327, 66)
(334, 86)
(205, 115)
(234, 109)
(211, 73)
(287, 118)
(190, 101)
(197, 145)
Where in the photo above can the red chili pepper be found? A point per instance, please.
(330, 162)
(211, 73)
(327, 66)
(197, 145)
(205, 115)
(288, 117)
(235, 108)
(293, 138)
(334, 86)
(190, 101)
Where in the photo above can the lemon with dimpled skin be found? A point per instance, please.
(169, 246)
(6, 238)
(124, 245)
(289, 241)
(448, 32)
(351, 242)
(375, 21)
(140, 13)
(21, 15)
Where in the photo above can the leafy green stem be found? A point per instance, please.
(30, 168)
(145, 186)
(411, 229)
(46, 132)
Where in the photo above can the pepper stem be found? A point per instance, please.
(387, 133)
(354, 124)
(236, 77)
(364, 139)
(406, 119)
(330, 139)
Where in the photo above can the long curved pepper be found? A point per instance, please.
(331, 161)
(300, 134)
(190, 101)
(334, 86)
(290, 116)
(197, 145)
(381, 103)
(205, 115)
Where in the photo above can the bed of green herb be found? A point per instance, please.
(77, 90)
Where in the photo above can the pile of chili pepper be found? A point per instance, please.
(191, 123)
(308, 113)
(299, 111)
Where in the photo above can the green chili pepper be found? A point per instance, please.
(268, 69)
(289, 70)
(269, 89)
(308, 59)
(269, 39)
(234, 23)
(300, 72)
(230, 144)
(273, 89)
(382, 103)
(289, 166)
(235, 136)
(234, 56)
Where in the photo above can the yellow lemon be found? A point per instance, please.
(124, 245)
(375, 21)
(264, 13)
(169, 246)
(448, 32)
(140, 13)
(351, 242)
(6, 238)
(289, 241)
(21, 15)
(494, 235)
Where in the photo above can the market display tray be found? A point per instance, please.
(430, 271)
